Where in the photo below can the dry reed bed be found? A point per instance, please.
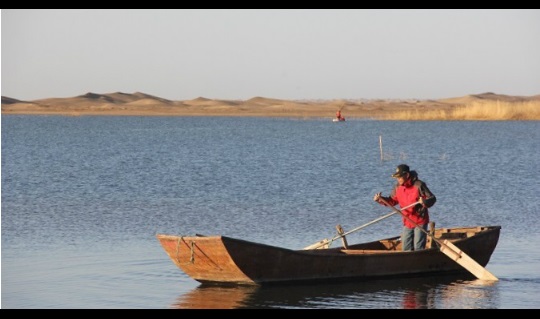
(475, 111)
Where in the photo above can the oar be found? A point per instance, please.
(453, 251)
(328, 242)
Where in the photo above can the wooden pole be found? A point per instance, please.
(325, 243)
(343, 239)
(380, 146)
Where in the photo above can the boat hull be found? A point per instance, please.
(226, 260)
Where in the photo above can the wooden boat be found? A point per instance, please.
(341, 119)
(226, 260)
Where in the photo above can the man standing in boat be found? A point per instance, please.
(338, 116)
(408, 190)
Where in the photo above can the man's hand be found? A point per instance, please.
(377, 197)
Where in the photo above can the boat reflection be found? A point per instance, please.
(409, 293)
(215, 297)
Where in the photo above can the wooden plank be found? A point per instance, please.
(323, 244)
(368, 251)
(429, 241)
(467, 262)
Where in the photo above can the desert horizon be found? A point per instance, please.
(485, 106)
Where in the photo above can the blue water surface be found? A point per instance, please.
(84, 196)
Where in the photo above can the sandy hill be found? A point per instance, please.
(488, 96)
(263, 101)
(7, 100)
(201, 102)
(138, 103)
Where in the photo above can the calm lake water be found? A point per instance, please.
(84, 197)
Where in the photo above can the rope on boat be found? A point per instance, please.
(192, 257)
(178, 247)
(192, 245)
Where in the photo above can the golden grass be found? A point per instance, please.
(475, 111)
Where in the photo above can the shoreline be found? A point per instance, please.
(314, 115)
(261, 108)
(140, 104)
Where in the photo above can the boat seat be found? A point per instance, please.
(367, 251)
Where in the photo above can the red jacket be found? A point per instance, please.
(409, 193)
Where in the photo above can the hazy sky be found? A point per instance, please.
(182, 54)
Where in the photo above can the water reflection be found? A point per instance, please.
(410, 293)
(214, 297)
(415, 300)
(471, 294)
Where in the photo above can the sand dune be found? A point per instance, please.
(119, 103)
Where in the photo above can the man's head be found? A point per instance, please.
(402, 173)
